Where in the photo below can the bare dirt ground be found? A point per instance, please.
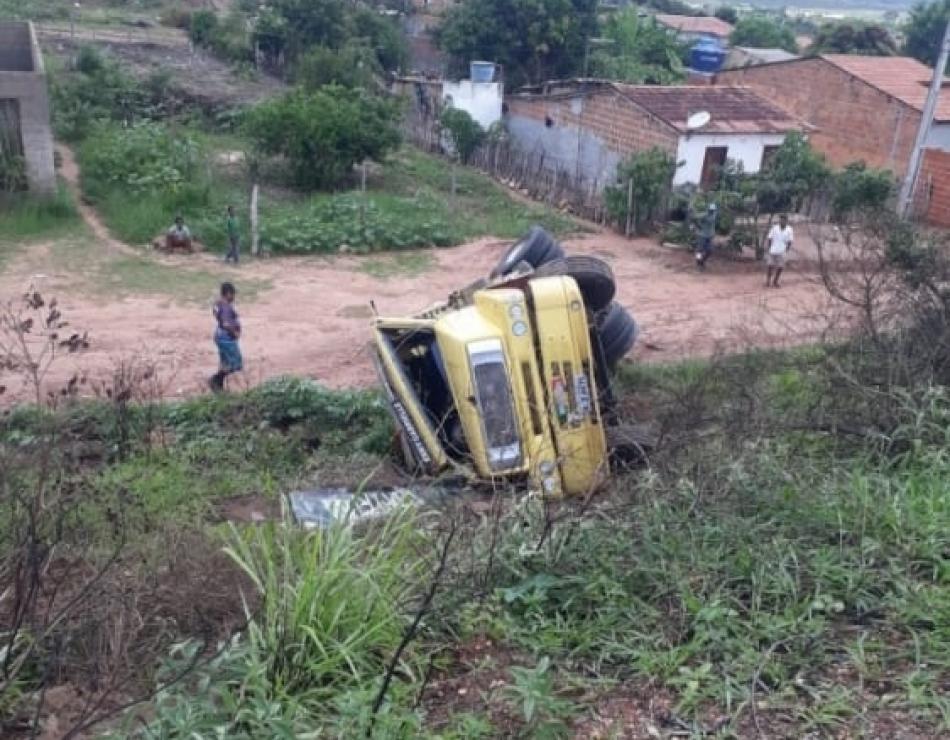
(313, 317)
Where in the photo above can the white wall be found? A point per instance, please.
(481, 100)
(939, 137)
(744, 148)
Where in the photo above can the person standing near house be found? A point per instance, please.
(707, 230)
(233, 236)
(227, 334)
(780, 241)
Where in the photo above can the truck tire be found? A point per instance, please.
(537, 247)
(594, 278)
(618, 333)
(629, 444)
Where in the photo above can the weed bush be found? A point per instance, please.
(25, 216)
(332, 612)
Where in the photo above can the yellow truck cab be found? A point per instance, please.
(507, 378)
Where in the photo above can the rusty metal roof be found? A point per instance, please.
(733, 110)
(902, 78)
(700, 25)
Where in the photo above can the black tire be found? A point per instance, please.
(594, 278)
(537, 247)
(618, 333)
(629, 444)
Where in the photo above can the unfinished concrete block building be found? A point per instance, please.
(24, 106)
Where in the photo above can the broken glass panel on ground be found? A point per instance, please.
(323, 507)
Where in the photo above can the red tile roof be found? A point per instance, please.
(733, 110)
(902, 78)
(704, 25)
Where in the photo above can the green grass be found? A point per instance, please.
(31, 218)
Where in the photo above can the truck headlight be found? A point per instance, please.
(546, 467)
(519, 328)
(550, 485)
(516, 312)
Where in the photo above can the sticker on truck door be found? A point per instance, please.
(582, 394)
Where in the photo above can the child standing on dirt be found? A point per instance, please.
(233, 236)
(226, 337)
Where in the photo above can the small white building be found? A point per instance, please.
(481, 100)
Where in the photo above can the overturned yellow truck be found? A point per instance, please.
(510, 377)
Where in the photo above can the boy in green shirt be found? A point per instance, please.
(233, 240)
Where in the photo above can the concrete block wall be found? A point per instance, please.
(932, 199)
(586, 134)
(28, 88)
(855, 122)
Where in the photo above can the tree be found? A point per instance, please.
(854, 38)
(923, 32)
(465, 133)
(355, 65)
(641, 51)
(764, 32)
(649, 175)
(728, 14)
(323, 134)
(534, 40)
(859, 190)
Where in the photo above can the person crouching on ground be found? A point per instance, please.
(178, 236)
(780, 241)
(707, 230)
(226, 337)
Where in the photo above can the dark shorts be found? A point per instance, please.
(229, 353)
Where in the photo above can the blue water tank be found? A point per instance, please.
(707, 56)
(482, 71)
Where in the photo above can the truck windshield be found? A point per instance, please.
(493, 394)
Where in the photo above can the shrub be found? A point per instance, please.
(202, 27)
(464, 132)
(352, 66)
(145, 157)
(322, 134)
(227, 37)
(651, 173)
(177, 16)
(23, 215)
(858, 188)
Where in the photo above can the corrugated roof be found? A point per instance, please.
(696, 24)
(767, 56)
(733, 110)
(902, 78)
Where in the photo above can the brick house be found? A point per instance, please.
(865, 109)
(587, 128)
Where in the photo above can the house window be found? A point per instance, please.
(768, 154)
(713, 163)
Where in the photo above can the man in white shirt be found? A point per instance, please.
(780, 241)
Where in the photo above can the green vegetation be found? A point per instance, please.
(644, 177)
(848, 37)
(765, 32)
(323, 134)
(27, 217)
(728, 14)
(463, 131)
(640, 51)
(535, 40)
(924, 30)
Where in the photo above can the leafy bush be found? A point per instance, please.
(354, 65)
(145, 157)
(764, 31)
(323, 134)
(226, 36)
(859, 188)
(464, 132)
(651, 173)
(363, 224)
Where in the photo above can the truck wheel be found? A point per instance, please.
(537, 247)
(629, 444)
(594, 278)
(617, 331)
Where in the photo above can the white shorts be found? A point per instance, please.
(775, 260)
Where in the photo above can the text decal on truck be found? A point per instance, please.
(411, 432)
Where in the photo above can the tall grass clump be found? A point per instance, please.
(331, 609)
(26, 216)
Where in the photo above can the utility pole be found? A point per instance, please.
(926, 121)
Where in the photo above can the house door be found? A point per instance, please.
(713, 163)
